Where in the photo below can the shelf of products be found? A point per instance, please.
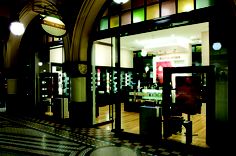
(48, 85)
(63, 81)
(152, 94)
(106, 79)
(151, 97)
(48, 91)
(106, 83)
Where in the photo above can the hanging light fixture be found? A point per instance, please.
(17, 28)
(53, 26)
(120, 1)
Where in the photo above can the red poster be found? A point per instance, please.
(188, 92)
(159, 70)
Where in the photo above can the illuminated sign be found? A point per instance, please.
(53, 26)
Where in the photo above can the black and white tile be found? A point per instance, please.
(31, 136)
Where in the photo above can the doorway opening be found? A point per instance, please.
(142, 59)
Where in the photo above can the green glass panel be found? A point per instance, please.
(104, 23)
(185, 5)
(198, 48)
(114, 21)
(168, 8)
(204, 3)
(126, 18)
(153, 12)
(138, 15)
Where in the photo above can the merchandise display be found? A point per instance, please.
(48, 91)
(146, 97)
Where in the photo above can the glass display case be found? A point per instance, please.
(149, 97)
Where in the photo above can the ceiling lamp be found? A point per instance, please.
(143, 53)
(17, 28)
(216, 46)
(120, 1)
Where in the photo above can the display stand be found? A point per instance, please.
(151, 123)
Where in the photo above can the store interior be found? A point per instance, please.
(142, 59)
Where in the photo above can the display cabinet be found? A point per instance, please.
(148, 97)
(106, 79)
(63, 80)
(126, 78)
(153, 95)
(48, 85)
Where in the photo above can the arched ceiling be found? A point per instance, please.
(67, 9)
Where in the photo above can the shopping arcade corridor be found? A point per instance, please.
(27, 136)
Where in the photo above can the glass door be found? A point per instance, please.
(102, 77)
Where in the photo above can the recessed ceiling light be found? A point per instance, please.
(120, 1)
(216, 46)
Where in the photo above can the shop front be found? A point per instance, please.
(148, 48)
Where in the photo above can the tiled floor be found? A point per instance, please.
(31, 136)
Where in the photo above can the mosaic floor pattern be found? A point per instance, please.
(30, 136)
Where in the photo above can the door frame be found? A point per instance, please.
(210, 94)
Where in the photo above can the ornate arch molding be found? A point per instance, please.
(83, 28)
(26, 15)
(10, 57)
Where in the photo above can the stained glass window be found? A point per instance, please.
(104, 23)
(114, 21)
(138, 15)
(185, 5)
(153, 11)
(126, 18)
(168, 8)
(204, 3)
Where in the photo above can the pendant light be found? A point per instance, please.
(120, 1)
(17, 28)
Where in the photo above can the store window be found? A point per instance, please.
(153, 11)
(185, 5)
(138, 15)
(135, 11)
(168, 8)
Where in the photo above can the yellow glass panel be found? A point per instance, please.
(168, 8)
(153, 12)
(185, 5)
(114, 21)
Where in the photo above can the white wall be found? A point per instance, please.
(205, 48)
(57, 55)
(103, 56)
(126, 59)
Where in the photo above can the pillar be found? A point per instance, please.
(80, 111)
